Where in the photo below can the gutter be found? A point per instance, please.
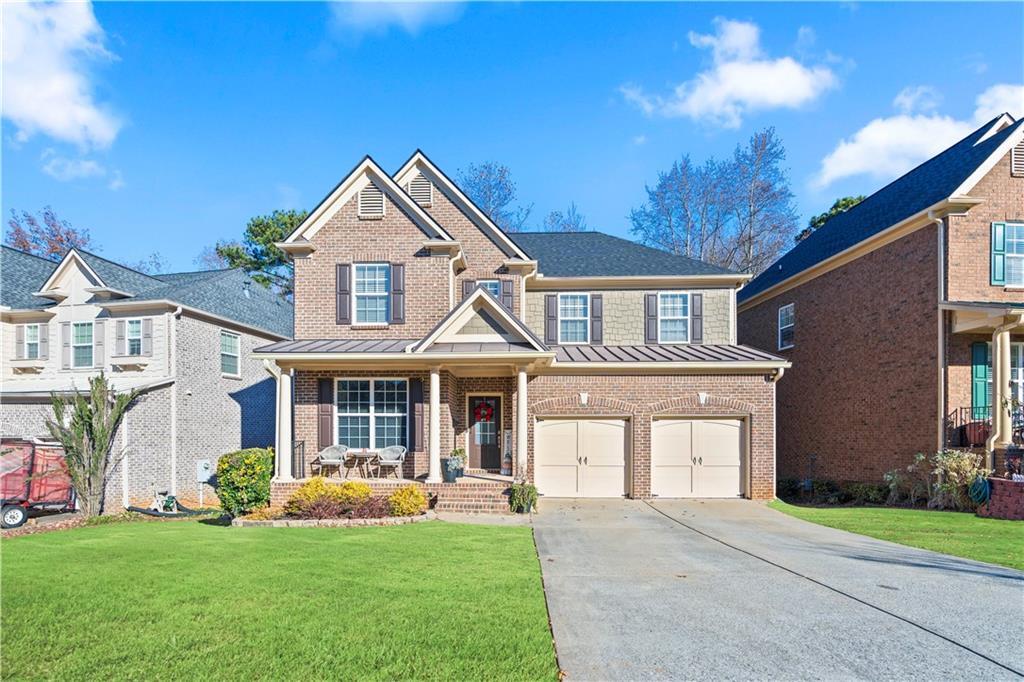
(940, 228)
(198, 312)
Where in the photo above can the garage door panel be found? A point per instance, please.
(673, 481)
(581, 457)
(558, 481)
(671, 458)
(720, 443)
(556, 466)
(696, 457)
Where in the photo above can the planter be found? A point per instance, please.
(449, 475)
(460, 472)
(334, 523)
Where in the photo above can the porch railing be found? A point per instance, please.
(970, 427)
(299, 459)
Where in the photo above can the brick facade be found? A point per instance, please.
(1006, 500)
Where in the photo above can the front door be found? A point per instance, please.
(485, 432)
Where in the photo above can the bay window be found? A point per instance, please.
(371, 413)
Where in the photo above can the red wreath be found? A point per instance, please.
(483, 412)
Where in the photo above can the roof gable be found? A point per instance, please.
(71, 264)
(480, 318)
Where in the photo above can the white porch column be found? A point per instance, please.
(522, 425)
(434, 428)
(1001, 425)
(284, 426)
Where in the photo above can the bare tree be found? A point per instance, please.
(570, 221)
(210, 259)
(492, 189)
(153, 264)
(46, 235)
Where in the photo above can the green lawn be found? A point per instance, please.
(960, 534)
(191, 600)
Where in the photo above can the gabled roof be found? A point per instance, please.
(481, 299)
(950, 174)
(22, 274)
(595, 254)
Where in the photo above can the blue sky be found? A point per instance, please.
(164, 127)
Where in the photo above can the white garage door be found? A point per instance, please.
(696, 457)
(580, 457)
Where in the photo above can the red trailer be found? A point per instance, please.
(33, 475)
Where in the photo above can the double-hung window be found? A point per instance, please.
(372, 413)
(31, 341)
(81, 344)
(787, 326)
(372, 292)
(133, 337)
(229, 354)
(573, 318)
(673, 317)
(493, 287)
(1015, 254)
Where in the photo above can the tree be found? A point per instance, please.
(258, 255)
(841, 205)
(46, 235)
(570, 221)
(84, 424)
(209, 259)
(491, 188)
(153, 264)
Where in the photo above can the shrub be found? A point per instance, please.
(353, 493)
(265, 514)
(349, 494)
(373, 508)
(321, 508)
(955, 470)
(859, 493)
(408, 500)
(522, 497)
(243, 480)
(788, 488)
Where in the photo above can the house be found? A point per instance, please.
(185, 340)
(902, 317)
(588, 364)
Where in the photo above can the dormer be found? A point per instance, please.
(74, 278)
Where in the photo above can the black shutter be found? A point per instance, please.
(507, 286)
(343, 294)
(415, 435)
(397, 294)
(696, 318)
(650, 319)
(468, 285)
(325, 413)
(596, 320)
(551, 319)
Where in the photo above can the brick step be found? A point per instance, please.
(493, 507)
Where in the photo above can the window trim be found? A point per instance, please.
(1007, 255)
(371, 415)
(127, 339)
(355, 297)
(238, 355)
(91, 345)
(587, 318)
(792, 307)
(686, 317)
(482, 282)
(26, 327)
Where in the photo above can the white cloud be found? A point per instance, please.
(887, 147)
(116, 181)
(46, 85)
(639, 140)
(370, 16)
(65, 169)
(742, 80)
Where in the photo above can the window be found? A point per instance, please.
(1015, 254)
(573, 318)
(1016, 374)
(371, 202)
(31, 341)
(133, 337)
(372, 413)
(229, 354)
(787, 322)
(372, 292)
(673, 318)
(493, 287)
(81, 344)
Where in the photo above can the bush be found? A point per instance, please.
(322, 508)
(372, 508)
(353, 493)
(265, 514)
(349, 494)
(408, 500)
(954, 471)
(243, 480)
(788, 488)
(860, 493)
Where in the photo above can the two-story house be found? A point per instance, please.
(185, 340)
(588, 364)
(902, 317)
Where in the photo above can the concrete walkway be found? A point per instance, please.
(730, 589)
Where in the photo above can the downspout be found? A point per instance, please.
(999, 384)
(775, 435)
(173, 361)
(940, 435)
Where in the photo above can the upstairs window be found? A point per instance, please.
(31, 341)
(229, 345)
(133, 337)
(1015, 254)
(81, 344)
(372, 292)
(673, 318)
(493, 287)
(371, 202)
(787, 326)
(573, 318)
(421, 190)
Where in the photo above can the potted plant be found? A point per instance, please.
(459, 455)
(523, 497)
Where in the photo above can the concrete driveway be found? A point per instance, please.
(730, 589)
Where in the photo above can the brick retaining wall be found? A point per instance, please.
(1006, 502)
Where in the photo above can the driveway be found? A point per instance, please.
(730, 589)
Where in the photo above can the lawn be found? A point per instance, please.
(193, 600)
(961, 534)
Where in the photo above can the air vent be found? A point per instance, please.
(1017, 161)
(421, 190)
(371, 202)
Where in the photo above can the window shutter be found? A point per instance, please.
(98, 329)
(696, 318)
(371, 202)
(44, 341)
(998, 253)
(980, 372)
(421, 190)
(507, 287)
(397, 293)
(468, 286)
(1017, 161)
(19, 342)
(650, 319)
(119, 342)
(65, 345)
(147, 336)
(343, 295)
(325, 413)
(415, 415)
(551, 319)
(596, 319)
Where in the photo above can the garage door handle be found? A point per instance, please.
(584, 460)
(701, 461)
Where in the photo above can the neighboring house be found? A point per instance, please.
(589, 364)
(892, 312)
(185, 340)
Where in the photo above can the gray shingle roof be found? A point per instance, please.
(595, 254)
(931, 182)
(20, 275)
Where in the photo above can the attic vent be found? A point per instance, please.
(421, 190)
(371, 202)
(1017, 161)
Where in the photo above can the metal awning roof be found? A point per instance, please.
(664, 353)
(339, 346)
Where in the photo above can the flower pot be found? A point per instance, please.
(460, 472)
(449, 475)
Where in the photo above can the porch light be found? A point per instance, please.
(583, 398)
(703, 397)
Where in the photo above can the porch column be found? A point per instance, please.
(284, 425)
(434, 429)
(521, 423)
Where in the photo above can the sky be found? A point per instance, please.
(163, 127)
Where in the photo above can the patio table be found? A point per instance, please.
(364, 458)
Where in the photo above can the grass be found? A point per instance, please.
(994, 541)
(195, 600)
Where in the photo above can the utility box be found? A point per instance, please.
(204, 471)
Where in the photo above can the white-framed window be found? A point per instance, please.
(573, 318)
(31, 341)
(1016, 371)
(371, 413)
(133, 337)
(787, 326)
(229, 354)
(81, 344)
(493, 287)
(372, 291)
(673, 317)
(1015, 254)
(371, 202)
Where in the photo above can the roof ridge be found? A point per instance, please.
(193, 272)
(26, 253)
(115, 263)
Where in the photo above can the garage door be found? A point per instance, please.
(580, 457)
(696, 457)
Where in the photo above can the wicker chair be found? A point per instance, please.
(332, 456)
(391, 458)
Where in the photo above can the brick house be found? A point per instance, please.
(185, 340)
(893, 311)
(588, 364)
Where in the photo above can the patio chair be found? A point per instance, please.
(391, 458)
(332, 456)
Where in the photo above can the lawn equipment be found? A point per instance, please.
(33, 475)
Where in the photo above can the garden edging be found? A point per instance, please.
(333, 523)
